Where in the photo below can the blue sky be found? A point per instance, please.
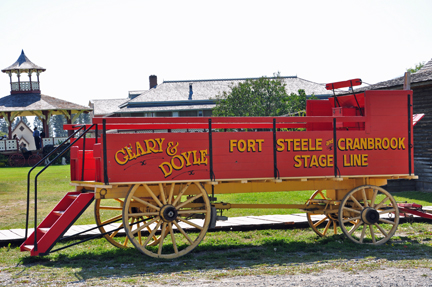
(103, 49)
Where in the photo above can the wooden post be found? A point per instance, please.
(69, 122)
(10, 125)
(407, 81)
(45, 125)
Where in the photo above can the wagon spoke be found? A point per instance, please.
(162, 238)
(145, 214)
(173, 238)
(334, 227)
(378, 206)
(188, 201)
(327, 226)
(387, 221)
(387, 211)
(153, 195)
(356, 202)
(183, 232)
(351, 219)
(153, 233)
(145, 203)
(115, 218)
(147, 224)
(355, 227)
(375, 193)
(190, 223)
(112, 235)
(352, 210)
(363, 233)
(321, 221)
(171, 193)
(181, 194)
(162, 192)
(372, 231)
(382, 230)
(366, 203)
(110, 208)
(190, 211)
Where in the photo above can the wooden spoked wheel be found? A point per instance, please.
(332, 218)
(33, 159)
(17, 160)
(181, 221)
(108, 215)
(374, 212)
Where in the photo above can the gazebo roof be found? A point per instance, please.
(23, 64)
(27, 103)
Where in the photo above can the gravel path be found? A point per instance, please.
(333, 278)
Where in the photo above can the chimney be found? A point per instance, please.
(190, 92)
(153, 81)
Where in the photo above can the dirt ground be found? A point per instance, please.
(334, 278)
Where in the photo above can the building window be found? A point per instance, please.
(163, 114)
(175, 114)
(191, 113)
(200, 113)
(207, 113)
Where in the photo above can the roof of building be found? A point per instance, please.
(174, 95)
(36, 102)
(104, 107)
(23, 64)
(209, 89)
(419, 77)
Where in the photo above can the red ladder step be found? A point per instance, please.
(58, 221)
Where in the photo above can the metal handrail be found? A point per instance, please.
(35, 185)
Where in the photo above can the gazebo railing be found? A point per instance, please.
(24, 86)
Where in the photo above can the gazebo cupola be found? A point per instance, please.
(23, 66)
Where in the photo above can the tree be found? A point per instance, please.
(57, 122)
(25, 120)
(416, 68)
(3, 126)
(37, 123)
(261, 97)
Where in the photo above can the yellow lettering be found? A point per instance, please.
(251, 145)
(160, 141)
(203, 156)
(385, 143)
(297, 160)
(339, 144)
(186, 156)
(125, 157)
(259, 144)
(233, 143)
(166, 172)
(177, 167)
(394, 143)
(401, 143)
(280, 145)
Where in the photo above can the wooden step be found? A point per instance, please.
(28, 247)
(44, 230)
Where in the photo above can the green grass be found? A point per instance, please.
(220, 254)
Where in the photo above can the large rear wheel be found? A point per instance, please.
(182, 221)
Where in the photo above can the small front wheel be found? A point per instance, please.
(368, 214)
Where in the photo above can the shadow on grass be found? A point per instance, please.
(113, 262)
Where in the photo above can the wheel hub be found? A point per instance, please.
(370, 216)
(168, 213)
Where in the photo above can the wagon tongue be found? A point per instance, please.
(417, 118)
